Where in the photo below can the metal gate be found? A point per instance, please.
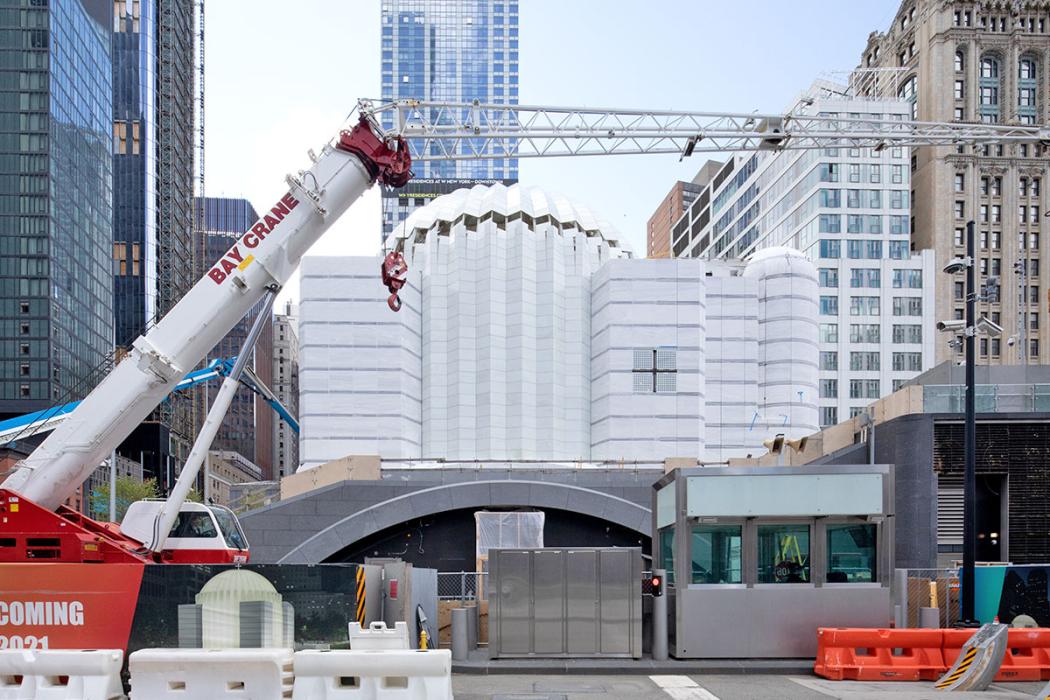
(565, 602)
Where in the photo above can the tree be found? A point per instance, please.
(129, 490)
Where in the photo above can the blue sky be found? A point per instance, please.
(281, 78)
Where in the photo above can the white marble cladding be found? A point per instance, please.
(646, 304)
(360, 388)
(518, 341)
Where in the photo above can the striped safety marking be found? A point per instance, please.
(958, 673)
(361, 596)
(682, 688)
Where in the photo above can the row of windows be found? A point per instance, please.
(863, 249)
(993, 213)
(871, 277)
(992, 240)
(993, 185)
(783, 553)
(870, 333)
(870, 306)
(862, 223)
(856, 199)
(829, 172)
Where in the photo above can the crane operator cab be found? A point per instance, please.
(202, 534)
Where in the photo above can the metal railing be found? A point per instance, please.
(914, 589)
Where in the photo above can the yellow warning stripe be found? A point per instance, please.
(361, 596)
(966, 662)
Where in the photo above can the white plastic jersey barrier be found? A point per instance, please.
(210, 674)
(373, 675)
(378, 636)
(61, 674)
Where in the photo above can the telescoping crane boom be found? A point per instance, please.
(265, 256)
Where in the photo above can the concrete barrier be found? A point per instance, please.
(210, 674)
(373, 675)
(61, 674)
(378, 636)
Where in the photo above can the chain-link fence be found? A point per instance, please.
(914, 589)
(462, 585)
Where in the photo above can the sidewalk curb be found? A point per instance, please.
(626, 667)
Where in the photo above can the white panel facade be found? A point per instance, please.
(360, 364)
(528, 333)
(731, 360)
(642, 307)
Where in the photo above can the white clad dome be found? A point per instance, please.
(483, 201)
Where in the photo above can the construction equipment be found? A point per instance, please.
(264, 257)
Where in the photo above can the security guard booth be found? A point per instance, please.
(759, 557)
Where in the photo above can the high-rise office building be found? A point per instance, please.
(976, 62)
(154, 259)
(454, 51)
(847, 210)
(286, 386)
(56, 216)
(247, 427)
(658, 233)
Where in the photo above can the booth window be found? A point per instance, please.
(783, 554)
(851, 553)
(717, 553)
(667, 552)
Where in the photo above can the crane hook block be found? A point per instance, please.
(390, 164)
(395, 274)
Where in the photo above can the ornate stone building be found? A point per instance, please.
(976, 62)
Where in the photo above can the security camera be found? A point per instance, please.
(989, 328)
(951, 326)
(957, 265)
(1011, 341)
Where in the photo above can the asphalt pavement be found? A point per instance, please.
(709, 687)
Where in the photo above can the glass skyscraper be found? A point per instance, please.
(452, 51)
(56, 217)
(155, 261)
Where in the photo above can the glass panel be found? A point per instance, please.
(193, 524)
(851, 553)
(667, 553)
(717, 553)
(783, 554)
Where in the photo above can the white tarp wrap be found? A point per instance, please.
(508, 530)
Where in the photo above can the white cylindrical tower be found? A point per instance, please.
(787, 341)
(505, 306)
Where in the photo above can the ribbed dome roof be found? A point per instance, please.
(240, 582)
(481, 200)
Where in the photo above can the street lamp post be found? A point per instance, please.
(967, 616)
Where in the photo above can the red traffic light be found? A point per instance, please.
(656, 586)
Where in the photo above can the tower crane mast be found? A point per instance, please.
(265, 256)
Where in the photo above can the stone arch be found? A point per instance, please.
(470, 494)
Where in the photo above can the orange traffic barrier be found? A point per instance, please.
(1027, 653)
(879, 654)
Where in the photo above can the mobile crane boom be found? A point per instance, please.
(267, 254)
(264, 257)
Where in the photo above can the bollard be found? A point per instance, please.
(660, 620)
(930, 618)
(898, 617)
(473, 626)
(900, 584)
(460, 634)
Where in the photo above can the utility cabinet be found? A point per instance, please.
(584, 602)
